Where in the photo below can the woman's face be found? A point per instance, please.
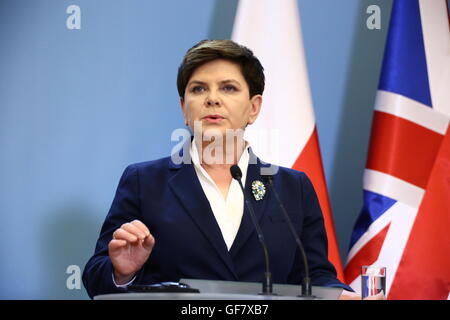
(217, 96)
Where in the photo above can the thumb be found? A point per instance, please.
(148, 242)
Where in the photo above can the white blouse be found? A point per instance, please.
(228, 212)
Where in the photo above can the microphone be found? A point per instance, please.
(267, 287)
(306, 284)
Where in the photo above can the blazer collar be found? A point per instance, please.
(188, 190)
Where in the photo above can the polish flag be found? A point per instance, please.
(285, 131)
(405, 222)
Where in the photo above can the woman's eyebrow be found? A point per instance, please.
(226, 81)
(197, 82)
(230, 81)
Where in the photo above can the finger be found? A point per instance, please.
(122, 234)
(116, 244)
(149, 242)
(133, 230)
(141, 227)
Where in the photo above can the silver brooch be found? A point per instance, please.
(258, 190)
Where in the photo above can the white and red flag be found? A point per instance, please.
(285, 132)
(405, 222)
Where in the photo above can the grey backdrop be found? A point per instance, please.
(77, 106)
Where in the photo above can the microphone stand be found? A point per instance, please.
(306, 284)
(267, 285)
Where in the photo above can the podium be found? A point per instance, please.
(228, 290)
(191, 296)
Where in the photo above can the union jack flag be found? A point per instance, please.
(405, 221)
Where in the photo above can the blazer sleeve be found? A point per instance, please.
(97, 274)
(315, 242)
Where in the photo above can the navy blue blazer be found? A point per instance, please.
(169, 199)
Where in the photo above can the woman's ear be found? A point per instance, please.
(183, 110)
(255, 107)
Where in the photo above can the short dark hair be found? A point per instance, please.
(209, 50)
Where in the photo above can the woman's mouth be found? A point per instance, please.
(213, 118)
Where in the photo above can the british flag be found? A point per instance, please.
(405, 221)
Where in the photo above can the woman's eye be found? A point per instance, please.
(197, 89)
(229, 88)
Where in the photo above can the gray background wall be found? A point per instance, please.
(77, 106)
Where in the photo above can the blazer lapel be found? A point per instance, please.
(188, 190)
(247, 228)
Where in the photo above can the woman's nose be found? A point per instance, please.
(212, 100)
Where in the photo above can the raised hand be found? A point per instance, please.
(129, 249)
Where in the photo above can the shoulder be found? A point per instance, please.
(289, 172)
(284, 173)
(152, 170)
(162, 163)
(288, 179)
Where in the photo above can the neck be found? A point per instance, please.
(217, 155)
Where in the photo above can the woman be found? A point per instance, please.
(172, 220)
